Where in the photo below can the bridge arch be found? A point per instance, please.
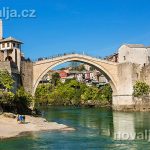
(40, 68)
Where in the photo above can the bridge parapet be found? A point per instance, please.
(45, 60)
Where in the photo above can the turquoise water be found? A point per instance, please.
(96, 129)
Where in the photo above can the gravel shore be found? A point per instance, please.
(9, 127)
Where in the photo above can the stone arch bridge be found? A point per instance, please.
(121, 76)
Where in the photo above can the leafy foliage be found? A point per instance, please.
(42, 92)
(141, 89)
(18, 102)
(6, 80)
(71, 93)
(6, 83)
(7, 97)
(22, 97)
(55, 78)
(107, 93)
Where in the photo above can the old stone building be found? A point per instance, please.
(134, 53)
(10, 56)
(10, 49)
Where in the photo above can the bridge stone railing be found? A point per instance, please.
(65, 54)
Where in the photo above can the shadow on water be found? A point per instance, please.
(96, 128)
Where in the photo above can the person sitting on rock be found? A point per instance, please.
(23, 118)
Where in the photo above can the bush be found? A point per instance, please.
(9, 101)
(106, 93)
(141, 89)
(23, 98)
(42, 93)
(7, 97)
(6, 80)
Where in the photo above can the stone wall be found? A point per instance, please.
(5, 65)
(17, 83)
(1, 56)
(27, 75)
(145, 74)
(129, 73)
(139, 104)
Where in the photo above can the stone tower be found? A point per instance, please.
(1, 29)
(10, 49)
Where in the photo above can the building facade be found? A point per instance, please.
(134, 53)
(10, 49)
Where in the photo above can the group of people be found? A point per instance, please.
(21, 118)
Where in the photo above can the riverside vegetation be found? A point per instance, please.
(76, 93)
(72, 92)
(18, 102)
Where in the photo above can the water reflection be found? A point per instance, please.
(104, 122)
(124, 126)
(131, 126)
(95, 129)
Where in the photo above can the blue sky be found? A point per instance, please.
(97, 27)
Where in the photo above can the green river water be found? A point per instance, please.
(96, 129)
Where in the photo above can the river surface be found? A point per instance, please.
(96, 129)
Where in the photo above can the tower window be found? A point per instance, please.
(3, 45)
(7, 44)
(9, 58)
(18, 45)
(14, 44)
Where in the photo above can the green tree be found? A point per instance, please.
(42, 93)
(6, 83)
(106, 93)
(55, 78)
(141, 89)
(6, 80)
(7, 97)
(87, 94)
(23, 98)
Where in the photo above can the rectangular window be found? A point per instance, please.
(124, 57)
(18, 45)
(3, 45)
(7, 44)
(14, 44)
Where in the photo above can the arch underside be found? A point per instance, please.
(51, 65)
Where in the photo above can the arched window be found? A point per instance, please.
(9, 58)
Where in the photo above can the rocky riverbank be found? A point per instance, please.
(9, 127)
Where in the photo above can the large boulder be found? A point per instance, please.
(9, 115)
